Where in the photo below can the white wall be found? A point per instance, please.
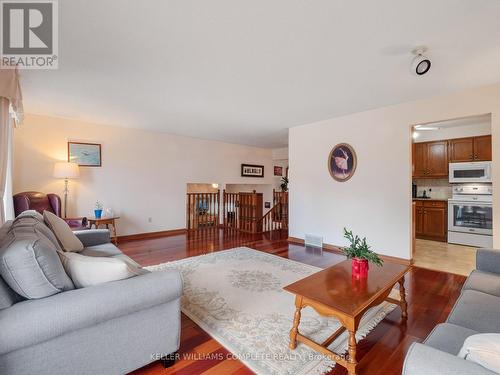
(143, 174)
(482, 127)
(376, 201)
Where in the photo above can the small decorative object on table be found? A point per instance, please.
(360, 253)
(98, 210)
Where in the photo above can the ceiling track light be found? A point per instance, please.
(420, 64)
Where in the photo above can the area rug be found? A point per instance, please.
(236, 296)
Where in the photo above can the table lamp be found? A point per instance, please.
(66, 170)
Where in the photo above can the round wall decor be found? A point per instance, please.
(342, 162)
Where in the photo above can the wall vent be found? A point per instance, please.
(313, 240)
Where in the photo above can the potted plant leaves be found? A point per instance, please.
(360, 253)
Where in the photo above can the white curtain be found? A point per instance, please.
(5, 141)
(11, 112)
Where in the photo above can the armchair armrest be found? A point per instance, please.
(488, 260)
(33, 321)
(92, 237)
(425, 360)
(76, 222)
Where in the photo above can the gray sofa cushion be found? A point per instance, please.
(7, 296)
(478, 311)
(29, 263)
(485, 282)
(448, 337)
(92, 237)
(29, 221)
(31, 213)
(424, 360)
(488, 260)
(103, 250)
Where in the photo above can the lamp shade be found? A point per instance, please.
(66, 170)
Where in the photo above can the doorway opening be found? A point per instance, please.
(451, 192)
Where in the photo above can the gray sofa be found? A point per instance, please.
(477, 310)
(111, 328)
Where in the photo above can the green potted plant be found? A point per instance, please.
(284, 183)
(360, 253)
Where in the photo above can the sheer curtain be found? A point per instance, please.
(11, 111)
(5, 145)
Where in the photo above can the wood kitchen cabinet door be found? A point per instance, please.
(419, 159)
(434, 223)
(461, 150)
(419, 221)
(437, 159)
(482, 148)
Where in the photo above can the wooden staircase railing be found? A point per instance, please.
(202, 210)
(275, 219)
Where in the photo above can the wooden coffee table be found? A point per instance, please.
(334, 292)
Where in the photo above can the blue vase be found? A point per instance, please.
(98, 214)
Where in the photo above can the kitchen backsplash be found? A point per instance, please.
(440, 188)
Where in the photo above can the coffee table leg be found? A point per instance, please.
(352, 352)
(402, 295)
(296, 320)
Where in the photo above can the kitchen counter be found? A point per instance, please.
(431, 199)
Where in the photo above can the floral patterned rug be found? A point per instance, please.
(236, 296)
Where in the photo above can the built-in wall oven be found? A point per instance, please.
(474, 172)
(470, 215)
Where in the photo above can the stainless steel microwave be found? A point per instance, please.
(479, 171)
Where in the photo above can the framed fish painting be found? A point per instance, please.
(342, 162)
(84, 154)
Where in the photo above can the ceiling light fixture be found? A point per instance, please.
(420, 64)
(426, 127)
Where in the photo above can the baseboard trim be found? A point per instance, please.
(336, 249)
(149, 235)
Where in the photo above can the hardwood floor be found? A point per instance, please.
(430, 295)
(446, 257)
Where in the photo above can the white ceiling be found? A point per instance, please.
(246, 71)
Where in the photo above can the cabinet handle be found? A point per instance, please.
(471, 157)
(475, 156)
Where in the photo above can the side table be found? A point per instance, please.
(105, 221)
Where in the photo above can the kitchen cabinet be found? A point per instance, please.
(431, 220)
(482, 148)
(461, 150)
(430, 159)
(470, 149)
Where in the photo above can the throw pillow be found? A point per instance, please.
(30, 266)
(31, 213)
(484, 349)
(67, 239)
(33, 221)
(87, 271)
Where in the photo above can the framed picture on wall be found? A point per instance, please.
(84, 154)
(342, 162)
(278, 171)
(251, 170)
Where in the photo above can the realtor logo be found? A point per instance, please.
(29, 34)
